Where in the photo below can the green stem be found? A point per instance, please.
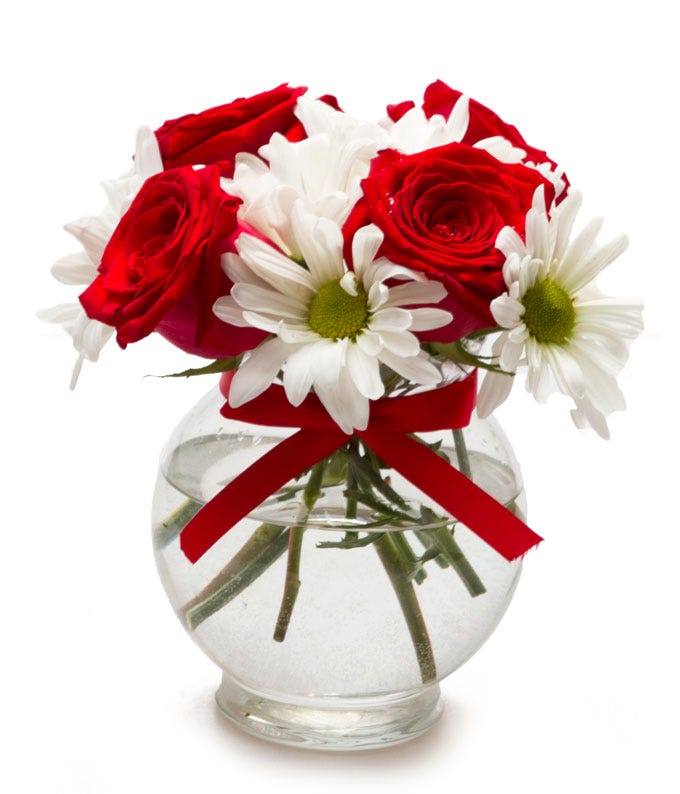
(267, 544)
(310, 496)
(453, 554)
(462, 453)
(410, 607)
(168, 529)
(409, 558)
(431, 551)
(352, 503)
(371, 469)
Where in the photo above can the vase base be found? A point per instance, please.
(330, 723)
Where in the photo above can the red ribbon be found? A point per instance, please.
(391, 422)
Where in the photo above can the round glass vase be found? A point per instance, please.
(332, 618)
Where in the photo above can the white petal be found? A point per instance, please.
(507, 311)
(501, 149)
(369, 342)
(610, 315)
(148, 159)
(416, 368)
(75, 373)
(509, 242)
(320, 242)
(494, 390)
(261, 299)
(580, 247)
(540, 381)
(564, 215)
(378, 296)
(276, 269)
(329, 357)
(384, 270)
(75, 269)
(509, 356)
(61, 313)
(390, 319)
(520, 333)
(349, 283)
(346, 406)
(365, 244)
(92, 337)
(296, 334)
(587, 269)
(457, 124)
(258, 372)
(93, 234)
(538, 236)
(365, 372)
(229, 311)
(429, 318)
(416, 292)
(566, 371)
(297, 375)
(538, 200)
(257, 320)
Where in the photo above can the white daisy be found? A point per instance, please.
(93, 233)
(323, 171)
(332, 328)
(574, 339)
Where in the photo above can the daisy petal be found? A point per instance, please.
(320, 242)
(273, 267)
(416, 292)
(428, 319)
(591, 266)
(258, 372)
(365, 244)
(390, 319)
(509, 242)
(297, 375)
(416, 368)
(75, 269)
(507, 311)
(370, 343)
(261, 299)
(494, 390)
(229, 311)
(365, 373)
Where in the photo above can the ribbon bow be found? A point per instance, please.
(388, 435)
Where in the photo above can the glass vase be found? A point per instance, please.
(343, 650)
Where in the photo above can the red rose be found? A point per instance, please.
(161, 268)
(218, 134)
(441, 211)
(439, 99)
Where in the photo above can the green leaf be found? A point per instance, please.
(459, 354)
(350, 544)
(219, 365)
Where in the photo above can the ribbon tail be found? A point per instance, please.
(458, 495)
(250, 488)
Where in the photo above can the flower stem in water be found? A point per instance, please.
(443, 540)
(262, 549)
(405, 592)
(310, 496)
(168, 529)
(462, 453)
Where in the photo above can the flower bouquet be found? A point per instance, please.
(340, 522)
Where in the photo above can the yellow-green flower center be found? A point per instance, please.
(549, 312)
(335, 314)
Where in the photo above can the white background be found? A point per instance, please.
(102, 691)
